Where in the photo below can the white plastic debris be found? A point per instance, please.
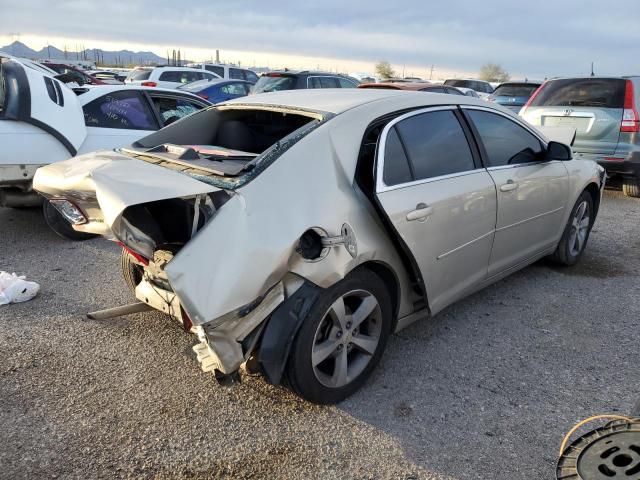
(15, 289)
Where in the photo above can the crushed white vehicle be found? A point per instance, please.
(294, 231)
(43, 121)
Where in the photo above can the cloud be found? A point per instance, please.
(529, 38)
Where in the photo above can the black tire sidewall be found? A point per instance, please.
(131, 271)
(564, 253)
(56, 222)
(300, 373)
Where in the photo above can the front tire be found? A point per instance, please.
(576, 233)
(631, 186)
(342, 339)
(60, 226)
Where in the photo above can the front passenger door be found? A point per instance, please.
(441, 204)
(532, 191)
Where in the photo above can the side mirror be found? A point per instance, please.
(558, 151)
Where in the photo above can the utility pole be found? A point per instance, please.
(431, 74)
(592, 74)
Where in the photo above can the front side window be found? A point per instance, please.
(172, 109)
(435, 144)
(126, 110)
(505, 142)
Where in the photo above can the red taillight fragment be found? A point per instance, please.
(135, 255)
(630, 118)
(531, 98)
(202, 95)
(149, 84)
(186, 321)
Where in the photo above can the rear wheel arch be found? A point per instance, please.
(594, 191)
(390, 279)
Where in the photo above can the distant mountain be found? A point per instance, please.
(121, 57)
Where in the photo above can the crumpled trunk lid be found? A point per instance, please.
(103, 184)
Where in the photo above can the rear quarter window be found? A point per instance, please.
(139, 74)
(582, 92)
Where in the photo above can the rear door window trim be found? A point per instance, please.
(381, 186)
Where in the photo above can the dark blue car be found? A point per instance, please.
(218, 89)
(513, 95)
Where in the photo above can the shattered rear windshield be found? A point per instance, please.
(245, 142)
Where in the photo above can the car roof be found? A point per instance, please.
(339, 100)
(304, 72)
(401, 85)
(95, 91)
(522, 84)
(211, 82)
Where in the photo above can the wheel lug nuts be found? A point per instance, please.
(340, 347)
(348, 325)
(339, 334)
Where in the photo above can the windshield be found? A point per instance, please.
(582, 92)
(139, 74)
(269, 83)
(515, 90)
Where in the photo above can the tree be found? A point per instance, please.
(384, 70)
(492, 72)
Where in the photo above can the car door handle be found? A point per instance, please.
(509, 186)
(421, 212)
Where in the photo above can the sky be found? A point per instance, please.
(532, 39)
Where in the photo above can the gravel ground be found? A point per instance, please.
(486, 389)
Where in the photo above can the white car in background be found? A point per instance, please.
(482, 88)
(42, 121)
(230, 72)
(167, 77)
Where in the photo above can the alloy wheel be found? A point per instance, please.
(579, 229)
(346, 338)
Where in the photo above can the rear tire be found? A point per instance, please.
(631, 186)
(131, 271)
(60, 226)
(576, 233)
(341, 340)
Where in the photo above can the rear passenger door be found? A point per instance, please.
(532, 192)
(117, 119)
(440, 201)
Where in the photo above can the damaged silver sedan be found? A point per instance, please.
(293, 232)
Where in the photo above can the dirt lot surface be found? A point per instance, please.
(486, 389)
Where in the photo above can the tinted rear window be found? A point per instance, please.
(268, 83)
(582, 92)
(139, 74)
(472, 84)
(515, 90)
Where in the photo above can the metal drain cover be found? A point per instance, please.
(611, 452)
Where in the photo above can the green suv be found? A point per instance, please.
(604, 112)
